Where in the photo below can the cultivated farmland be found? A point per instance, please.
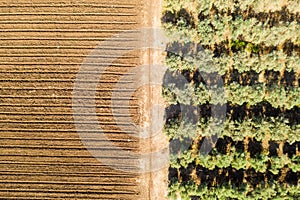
(243, 58)
(42, 47)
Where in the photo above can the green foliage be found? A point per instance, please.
(180, 129)
(270, 190)
(259, 128)
(277, 96)
(238, 44)
(256, 5)
(210, 32)
(243, 43)
(241, 61)
(238, 160)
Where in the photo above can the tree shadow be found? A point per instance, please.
(170, 17)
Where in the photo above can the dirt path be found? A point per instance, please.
(157, 180)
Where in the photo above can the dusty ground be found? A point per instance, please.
(42, 46)
(158, 178)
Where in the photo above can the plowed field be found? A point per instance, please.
(42, 47)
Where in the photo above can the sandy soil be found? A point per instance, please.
(157, 179)
(42, 46)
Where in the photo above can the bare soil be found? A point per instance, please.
(42, 47)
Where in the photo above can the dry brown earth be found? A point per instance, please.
(42, 46)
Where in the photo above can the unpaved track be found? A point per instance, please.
(42, 46)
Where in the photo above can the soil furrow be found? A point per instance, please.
(46, 120)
